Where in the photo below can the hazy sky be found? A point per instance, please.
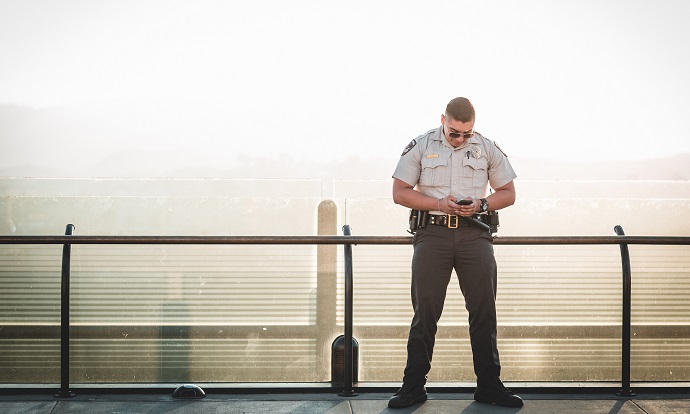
(223, 81)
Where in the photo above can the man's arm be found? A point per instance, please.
(405, 195)
(502, 197)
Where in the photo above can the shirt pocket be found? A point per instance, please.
(435, 171)
(476, 172)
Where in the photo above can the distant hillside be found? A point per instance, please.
(171, 165)
(667, 168)
(183, 164)
(65, 143)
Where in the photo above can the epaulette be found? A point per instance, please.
(499, 148)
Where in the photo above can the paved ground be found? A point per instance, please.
(364, 403)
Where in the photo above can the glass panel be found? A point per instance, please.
(559, 307)
(157, 313)
(565, 302)
(194, 313)
(30, 313)
(660, 345)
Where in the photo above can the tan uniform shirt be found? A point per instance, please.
(437, 169)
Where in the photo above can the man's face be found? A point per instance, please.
(456, 132)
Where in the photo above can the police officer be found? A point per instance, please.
(450, 163)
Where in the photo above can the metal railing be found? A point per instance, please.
(347, 240)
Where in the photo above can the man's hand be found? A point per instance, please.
(464, 210)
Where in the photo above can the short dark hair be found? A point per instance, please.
(460, 109)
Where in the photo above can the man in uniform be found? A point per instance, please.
(450, 163)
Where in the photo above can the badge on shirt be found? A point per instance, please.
(476, 152)
(409, 147)
(432, 156)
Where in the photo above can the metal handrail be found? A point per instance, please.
(347, 240)
(392, 240)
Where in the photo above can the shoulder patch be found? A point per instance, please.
(409, 147)
(499, 148)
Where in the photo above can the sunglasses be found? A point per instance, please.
(464, 135)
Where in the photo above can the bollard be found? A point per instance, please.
(338, 361)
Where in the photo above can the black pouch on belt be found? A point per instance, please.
(491, 220)
(418, 220)
(414, 216)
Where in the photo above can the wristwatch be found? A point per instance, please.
(484, 206)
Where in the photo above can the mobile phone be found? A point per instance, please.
(464, 202)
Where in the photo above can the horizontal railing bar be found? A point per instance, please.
(105, 331)
(545, 240)
(228, 331)
(391, 240)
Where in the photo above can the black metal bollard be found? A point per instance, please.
(338, 361)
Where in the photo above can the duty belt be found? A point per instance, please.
(450, 221)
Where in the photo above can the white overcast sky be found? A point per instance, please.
(322, 80)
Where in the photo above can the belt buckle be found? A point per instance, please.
(453, 224)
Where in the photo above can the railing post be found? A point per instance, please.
(626, 324)
(348, 390)
(64, 318)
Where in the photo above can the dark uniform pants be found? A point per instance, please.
(438, 250)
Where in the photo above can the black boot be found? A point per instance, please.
(407, 397)
(497, 394)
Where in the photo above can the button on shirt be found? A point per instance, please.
(438, 169)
